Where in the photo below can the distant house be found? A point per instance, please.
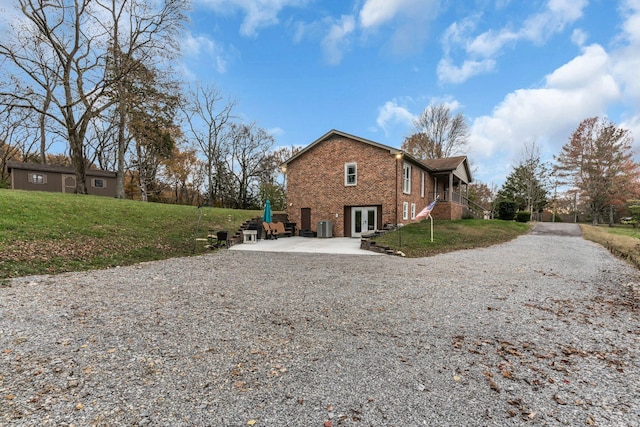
(38, 177)
(353, 185)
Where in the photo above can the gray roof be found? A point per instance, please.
(57, 169)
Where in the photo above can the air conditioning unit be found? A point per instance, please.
(325, 229)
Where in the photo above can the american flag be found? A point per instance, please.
(424, 213)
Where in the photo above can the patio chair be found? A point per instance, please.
(274, 230)
(279, 227)
(223, 239)
(268, 233)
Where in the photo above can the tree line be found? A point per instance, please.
(97, 76)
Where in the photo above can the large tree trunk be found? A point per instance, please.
(122, 123)
(79, 164)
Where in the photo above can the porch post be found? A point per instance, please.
(450, 199)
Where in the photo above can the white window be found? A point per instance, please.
(405, 210)
(350, 174)
(413, 210)
(98, 183)
(406, 179)
(37, 178)
(422, 184)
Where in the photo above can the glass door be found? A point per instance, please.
(363, 219)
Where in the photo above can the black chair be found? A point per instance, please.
(223, 239)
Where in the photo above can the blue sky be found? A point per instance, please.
(520, 71)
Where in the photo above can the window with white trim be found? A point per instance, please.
(413, 210)
(37, 178)
(422, 184)
(98, 183)
(406, 179)
(405, 210)
(350, 174)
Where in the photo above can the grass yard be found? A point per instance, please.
(414, 240)
(620, 240)
(43, 233)
(46, 233)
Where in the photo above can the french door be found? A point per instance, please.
(363, 219)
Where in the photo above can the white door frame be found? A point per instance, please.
(358, 227)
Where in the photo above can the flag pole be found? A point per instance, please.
(431, 219)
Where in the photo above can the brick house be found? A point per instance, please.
(62, 179)
(352, 185)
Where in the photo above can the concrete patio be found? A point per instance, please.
(334, 245)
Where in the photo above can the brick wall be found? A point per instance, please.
(316, 180)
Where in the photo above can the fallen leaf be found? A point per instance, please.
(251, 422)
(532, 415)
(559, 400)
(330, 408)
(79, 406)
(328, 423)
(10, 396)
(111, 350)
(456, 378)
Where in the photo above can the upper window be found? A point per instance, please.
(99, 183)
(37, 178)
(406, 178)
(350, 174)
(422, 184)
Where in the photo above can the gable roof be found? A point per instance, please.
(449, 164)
(334, 132)
(57, 169)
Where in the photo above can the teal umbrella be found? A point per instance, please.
(266, 217)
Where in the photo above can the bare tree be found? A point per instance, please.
(250, 146)
(66, 78)
(208, 120)
(439, 134)
(68, 68)
(139, 35)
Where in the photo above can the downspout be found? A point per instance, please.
(398, 157)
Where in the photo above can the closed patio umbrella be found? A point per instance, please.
(266, 217)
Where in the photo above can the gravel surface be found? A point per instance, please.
(543, 330)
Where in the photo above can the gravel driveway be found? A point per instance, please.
(543, 330)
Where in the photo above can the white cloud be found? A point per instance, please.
(337, 41)
(489, 43)
(391, 114)
(202, 47)
(276, 132)
(377, 12)
(408, 19)
(626, 63)
(451, 73)
(486, 46)
(579, 37)
(457, 33)
(584, 87)
(258, 13)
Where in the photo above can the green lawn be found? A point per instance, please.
(621, 240)
(43, 233)
(414, 240)
(52, 232)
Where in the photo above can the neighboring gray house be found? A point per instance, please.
(62, 179)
